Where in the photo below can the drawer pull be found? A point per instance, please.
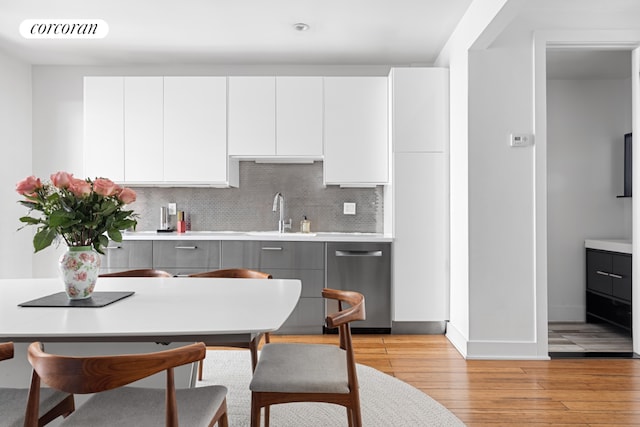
(602, 273)
(360, 253)
(187, 247)
(113, 247)
(271, 248)
(615, 276)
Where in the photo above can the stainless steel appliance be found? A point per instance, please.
(365, 268)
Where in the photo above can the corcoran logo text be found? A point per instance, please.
(64, 28)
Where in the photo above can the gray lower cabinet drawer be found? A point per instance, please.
(306, 318)
(186, 255)
(286, 260)
(126, 255)
(273, 254)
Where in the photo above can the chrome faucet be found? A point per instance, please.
(282, 225)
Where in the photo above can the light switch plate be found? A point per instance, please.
(172, 208)
(349, 208)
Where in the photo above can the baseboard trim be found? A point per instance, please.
(424, 328)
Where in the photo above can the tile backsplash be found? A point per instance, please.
(249, 207)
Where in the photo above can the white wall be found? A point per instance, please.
(15, 134)
(501, 201)
(586, 121)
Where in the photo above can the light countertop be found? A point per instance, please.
(258, 235)
(613, 245)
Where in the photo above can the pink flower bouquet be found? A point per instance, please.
(80, 211)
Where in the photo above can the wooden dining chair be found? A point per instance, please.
(51, 403)
(113, 404)
(289, 373)
(143, 272)
(253, 343)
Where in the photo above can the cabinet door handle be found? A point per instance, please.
(271, 249)
(602, 273)
(187, 247)
(358, 253)
(109, 248)
(615, 276)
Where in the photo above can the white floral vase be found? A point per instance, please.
(79, 267)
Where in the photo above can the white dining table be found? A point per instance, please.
(161, 313)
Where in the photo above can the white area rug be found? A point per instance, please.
(385, 400)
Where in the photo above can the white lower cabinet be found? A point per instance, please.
(420, 291)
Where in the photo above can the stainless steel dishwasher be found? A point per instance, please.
(365, 268)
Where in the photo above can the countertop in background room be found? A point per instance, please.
(612, 245)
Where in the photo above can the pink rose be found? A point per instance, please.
(127, 196)
(28, 185)
(61, 179)
(80, 276)
(80, 187)
(105, 187)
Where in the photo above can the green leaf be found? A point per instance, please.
(29, 220)
(43, 238)
(115, 235)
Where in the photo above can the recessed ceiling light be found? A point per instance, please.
(300, 26)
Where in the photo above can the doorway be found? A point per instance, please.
(589, 110)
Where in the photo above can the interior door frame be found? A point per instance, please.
(588, 40)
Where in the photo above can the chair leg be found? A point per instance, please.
(200, 369)
(221, 415)
(253, 348)
(357, 416)
(267, 414)
(255, 411)
(349, 416)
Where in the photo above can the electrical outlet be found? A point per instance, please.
(172, 208)
(349, 208)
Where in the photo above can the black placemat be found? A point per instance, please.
(60, 299)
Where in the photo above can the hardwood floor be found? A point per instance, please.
(560, 392)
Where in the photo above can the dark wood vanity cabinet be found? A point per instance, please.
(609, 287)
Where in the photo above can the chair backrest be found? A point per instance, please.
(93, 374)
(341, 320)
(240, 273)
(144, 272)
(6, 350)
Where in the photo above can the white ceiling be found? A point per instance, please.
(345, 32)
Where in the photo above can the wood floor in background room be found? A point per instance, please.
(559, 392)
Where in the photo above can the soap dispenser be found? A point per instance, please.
(305, 225)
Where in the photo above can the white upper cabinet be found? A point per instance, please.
(252, 116)
(104, 127)
(158, 130)
(195, 130)
(299, 116)
(143, 135)
(356, 148)
(420, 109)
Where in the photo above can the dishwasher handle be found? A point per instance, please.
(359, 253)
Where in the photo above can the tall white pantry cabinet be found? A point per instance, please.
(420, 133)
